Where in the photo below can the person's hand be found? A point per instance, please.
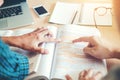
(96, 47)
(31, 41)
(87, 75)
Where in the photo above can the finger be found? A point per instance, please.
(45, 51)
(41, 50)
(89, 73)
(44, 29)
(50, 34)
(98, 75)
(44, 33)
(68, 77)
(40, 30)
(85, 39)
(82, 74)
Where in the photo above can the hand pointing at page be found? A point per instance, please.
(96, 47)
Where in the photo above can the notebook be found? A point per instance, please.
(82, 13)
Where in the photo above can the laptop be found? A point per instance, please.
(14, 13)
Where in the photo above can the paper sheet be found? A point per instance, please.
(64, 13)
(73, 65)
(71, 32)
(70, 58)
(6, 32)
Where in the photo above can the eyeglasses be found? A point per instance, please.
(100, 11)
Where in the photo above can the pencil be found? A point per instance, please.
(74, 17)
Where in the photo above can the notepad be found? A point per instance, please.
(65, 13)
(82, 13)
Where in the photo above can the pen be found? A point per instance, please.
(74, 17)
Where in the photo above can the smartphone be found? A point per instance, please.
(40, 11)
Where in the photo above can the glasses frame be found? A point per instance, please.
(95, 12)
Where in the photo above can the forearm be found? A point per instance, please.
(112, 62)
(12, 41)
(13, 66)
(116, 12)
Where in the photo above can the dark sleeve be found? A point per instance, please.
(13, 66)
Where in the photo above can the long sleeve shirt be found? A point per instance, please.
(13, 66)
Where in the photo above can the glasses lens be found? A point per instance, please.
(101, 11)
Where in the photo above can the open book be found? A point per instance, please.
(65, 57)
(82, 13)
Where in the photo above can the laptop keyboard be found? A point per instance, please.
(12, 11)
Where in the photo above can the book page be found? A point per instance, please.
(71, 32)
(65, 13)
(102, 15)
(6, 32)
(70, 58)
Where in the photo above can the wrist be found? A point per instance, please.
(12, 41)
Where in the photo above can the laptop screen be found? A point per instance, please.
(11, 2)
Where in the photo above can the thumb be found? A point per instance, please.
(68, 77)
(41, 50)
